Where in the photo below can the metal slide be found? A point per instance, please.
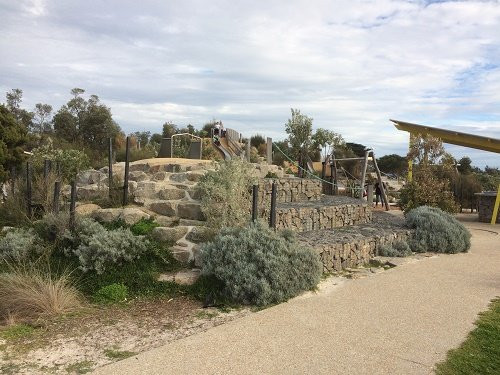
(223, 147)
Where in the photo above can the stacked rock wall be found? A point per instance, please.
(486, 203)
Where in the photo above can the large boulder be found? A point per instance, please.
(190, 210)
(162, 207)
(89, 192)
(199, 234)
(86, 209)
(169, 192)
(170, 234)
(130, 215)
(90, 177)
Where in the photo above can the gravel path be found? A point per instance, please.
(400, 321)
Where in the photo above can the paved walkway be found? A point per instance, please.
(401, 321)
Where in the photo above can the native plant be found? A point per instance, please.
(436, 231)
(257, 266)
(426, 189)
(396, 249)
(97, 248)
(19, 245)
(225, 194)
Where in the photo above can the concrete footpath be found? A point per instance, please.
(400, 321)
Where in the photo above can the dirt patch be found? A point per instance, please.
(98, 335)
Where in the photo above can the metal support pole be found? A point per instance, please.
(127, 166)
(332, 179)
(72, 205)
(255, 199)
(335, 180)
(269, 150)
(274, 195)
(110, 167)
(323, 175)
(57, 190)
(29, 203)
(369, 195)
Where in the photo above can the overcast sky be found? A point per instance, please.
(350, 65)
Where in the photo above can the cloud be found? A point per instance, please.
(351, 65)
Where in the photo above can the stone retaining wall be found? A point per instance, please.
(327, 213)
(486, 203)
(351, 247)
(290, 189)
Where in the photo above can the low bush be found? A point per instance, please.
(51, 227)
(144, 227)
(436, 231)
(96, 248)
(115, 292)
(258, 266)
(19, 244)
(397, 249)
(28, 293)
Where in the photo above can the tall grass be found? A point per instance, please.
(31, 292)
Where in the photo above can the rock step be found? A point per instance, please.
(190, 210)
(184, 277)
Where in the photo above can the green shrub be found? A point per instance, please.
(116, 292)
(436, 231)
(70, 161)
(96, 248)
(226, 194)
(19, 244)
(144, 227)
(427, 189)
(397, 249)
(259, 266)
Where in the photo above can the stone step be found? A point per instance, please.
(190, 210)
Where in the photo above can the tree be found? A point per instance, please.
(143, 138)
(299, 130)
(13, 136)
(357, 148)
(326, 141)
(14, 100)
(41, 119)
(169, 129)
(465, 165)
(425, 149)
(87, 122)
(156, 138)
(257, 140)
(393, 163)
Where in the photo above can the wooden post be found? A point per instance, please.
(255, 198)
(269, 150)
(29, 203)
(363, 174)
(332, 179)
(381, 185)
(127, 166)
(57, 190)
(323, 176)
(335, 180)
(110, 167)
(46, 168)
(369, 195)
(72, 205)
(248, 147)
(272, 216)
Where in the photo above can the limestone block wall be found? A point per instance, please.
(317, 217)
(486, 203)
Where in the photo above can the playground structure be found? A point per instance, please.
(195, 146)
(478, 142)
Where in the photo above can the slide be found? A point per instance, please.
(223, 147)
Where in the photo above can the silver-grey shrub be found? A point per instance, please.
(396, 249)
(436, 231)
(96, 247)
(258, 266)
(19, 244)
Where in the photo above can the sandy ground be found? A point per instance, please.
(401, 321)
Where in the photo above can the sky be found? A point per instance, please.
(350, 65)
